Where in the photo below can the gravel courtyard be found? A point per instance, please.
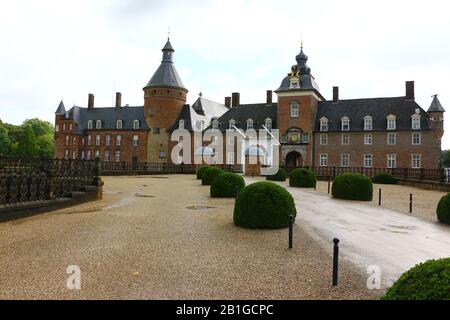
(145, 241)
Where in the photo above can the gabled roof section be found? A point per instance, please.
(209, 108)
(378, 108)
(61, 109)
(185, 114)
(436, 105)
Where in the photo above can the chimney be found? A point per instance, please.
(335, 94)
(91, 101)
(269, 97)
(228, 102)
(236, 97)
(118, 99)
(410, 90)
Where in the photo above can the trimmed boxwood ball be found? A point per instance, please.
(227, 185)
(443, 209)
(201, 171)
(352, 186)
(303, 178)
(210, 174)
(264, 205)
(384, 178)
(281, 175)
(427, 281)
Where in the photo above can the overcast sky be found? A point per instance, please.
(67, 49)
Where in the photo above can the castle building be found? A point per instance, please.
(371, 132)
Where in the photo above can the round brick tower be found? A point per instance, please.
(164, 96)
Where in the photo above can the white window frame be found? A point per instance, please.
(57, 128)
(66, 154)
(323, 139)
(119, 124)
(323, 159)
(83, 154)
(345, 124)
(345, 157)
(368, 139)
(136, 140)
(89, 140)
(392, 134)
(415, 122)
(97, 154)
(136, 125)
(74, 155)
(231, 124)
(90, 125)
(67, 140)
(413, 140)
(98, 124)
(392, 161)
(250, 124)
(324, 124)
(268, 124)
(368, 160)
(295, 110)
(414, 163)
(97, 139)
(230, 157)
(119, 140)
(368, 123)
(348, 139)
(305, 137)
(117, 156)
(391, 122)
(215, 125)
(108, 140)
(88, 156)
(106, 156)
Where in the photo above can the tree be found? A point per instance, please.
(45, 144)
(5, 142)
(445, 158)
(39, 127)
(27, 144)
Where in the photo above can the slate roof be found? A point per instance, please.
(208, 107)
(257, 112)
(61, 109)
(108, 116)
(378, 108)
(436, 105)
(185, 115)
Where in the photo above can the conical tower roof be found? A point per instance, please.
(61, 109)
(436, 105)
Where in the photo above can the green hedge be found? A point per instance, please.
(210, 174)
(353, 186)
(302, 178)
(227, 185)
(384, 178)
(426, 281)
(264, 205)
(201, 171)
(281, 175)
(443, 209)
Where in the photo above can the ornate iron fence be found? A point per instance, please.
(30, 179)
(130, 168)
(438, 175)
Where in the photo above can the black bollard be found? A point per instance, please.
(410, 202)
(379, 197)
(335, 262)
(291, 231)
(329, 186)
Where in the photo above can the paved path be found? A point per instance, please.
(369, 235)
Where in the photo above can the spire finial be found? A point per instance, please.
(168, 33)
(301, 45)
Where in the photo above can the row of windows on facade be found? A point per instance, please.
(99, 125)
(416, 161)
(250, 124)
(98, 140)
(88, 155)
(368, 123)
(416, 139)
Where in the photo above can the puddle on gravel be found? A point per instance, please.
(138, 195)
(199, 208)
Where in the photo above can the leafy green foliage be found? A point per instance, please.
(353, 186)
(5, 141)
(227, 185)
(384, 178)
(281, 175)
(445, 158)
(427, 281)
(201, 171)
(302, 178)
(210, 174)
(443, 209)
(264, 205)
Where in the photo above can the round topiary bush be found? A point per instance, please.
(426, 281)
(302, 178)
(210, 174)
(227, 185)
(201, 171)
(384, 178)
(264, 205)
(281, 175)
(443, 209)
(352, 186)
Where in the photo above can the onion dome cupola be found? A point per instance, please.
(61, 109)
(436, 105)
(166, 75)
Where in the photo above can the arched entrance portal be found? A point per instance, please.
(294, 160)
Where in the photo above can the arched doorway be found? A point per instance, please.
(294, 160)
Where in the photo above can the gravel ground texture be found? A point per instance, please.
(142, 242)
(396, 198)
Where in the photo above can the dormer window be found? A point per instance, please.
(119, 124)
(136, 124)
(232, 124)
(415, 122)
(181, 124)
(294, 83)
(368, 123)
(324, 124)
(250, 124)
(98, 124)
(90, 124)
(215, 125)
(391, 122)
(345, 124)
(268, 124)
(295, 110)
